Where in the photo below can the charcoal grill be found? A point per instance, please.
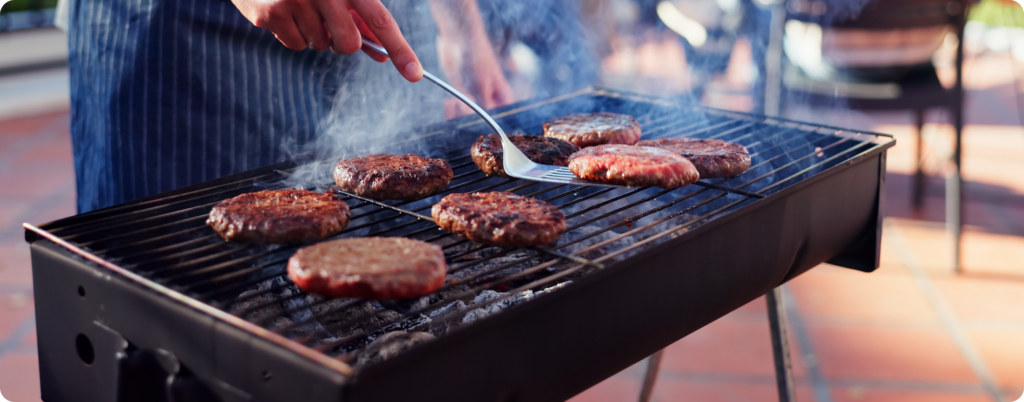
(142, 301)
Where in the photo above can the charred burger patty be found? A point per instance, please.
(380, 268)
(589, 129)
(487, 151)
(393, 177)
(499, 218)
(634, 166)
(279, 217)
(713, 158)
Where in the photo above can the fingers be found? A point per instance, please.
(345, 37)
(310, 26)
(365, 30)
(381, 24)
(277, 19)
(288, 34)
(380, 58)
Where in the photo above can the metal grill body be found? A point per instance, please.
(638, 269)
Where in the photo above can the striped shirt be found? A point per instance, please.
(168, 93)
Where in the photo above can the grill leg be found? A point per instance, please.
(780, 345)
(650, 376)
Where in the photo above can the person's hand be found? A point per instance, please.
(335, 24)
(475, 67)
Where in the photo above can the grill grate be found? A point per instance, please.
(166, 240)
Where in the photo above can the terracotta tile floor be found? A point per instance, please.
(912, 331)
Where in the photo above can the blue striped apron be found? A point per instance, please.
(168, 93)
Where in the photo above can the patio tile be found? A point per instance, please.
(903, 354)
(899, 204)
(10, 138)
(738, 343)
(56, 150)
(724, 346)
(15, 308)
(827, 292)
(1003, 352)
(984, 299)
(890, 260)
(993, 253)
(756, 306)
(929, 243)
(15, 264)
(723, 391)
(19, 377)
(30, 339)
(614, 389)
(29, 124)
(33, 186)
(862, 394)
(10, 210)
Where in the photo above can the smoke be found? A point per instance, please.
(374, 109)
(547, 48)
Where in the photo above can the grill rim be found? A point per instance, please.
(270, 336)
(880, 143)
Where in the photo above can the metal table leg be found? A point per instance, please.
(650, 376)
(780, 345)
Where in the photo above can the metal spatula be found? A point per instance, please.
(516, 163)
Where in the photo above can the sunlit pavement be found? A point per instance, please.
(911, 331)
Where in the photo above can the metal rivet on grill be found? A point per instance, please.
(267, 375)
(81, 291)
(84, 347)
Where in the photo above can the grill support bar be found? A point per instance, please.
(651, 375)
(780, 345)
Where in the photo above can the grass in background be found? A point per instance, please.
(997, 13)
(23, 5)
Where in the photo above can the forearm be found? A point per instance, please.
(458, 19)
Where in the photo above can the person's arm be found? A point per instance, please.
(467, 55)
(335, 24)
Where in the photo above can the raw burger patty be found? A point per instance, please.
(279, 217)
(589, 129)
(380, 268)
(713, 158)
(393, 177)
(633, 166)
(487, 151)
(499, 218)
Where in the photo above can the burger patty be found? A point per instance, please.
(633, 166)
(279, 217)
(393, 177)
(589, 129)
(379, 268)
(487, 151)
(713, 158)
(499, 218)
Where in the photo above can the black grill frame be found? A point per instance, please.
(851, 239)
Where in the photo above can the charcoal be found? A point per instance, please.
(391, 345)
